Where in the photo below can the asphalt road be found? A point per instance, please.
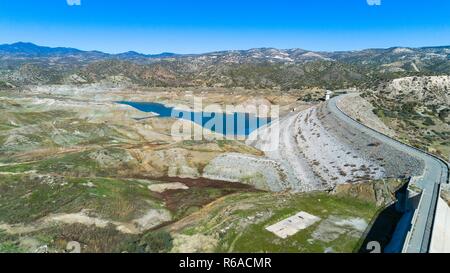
(435, 173)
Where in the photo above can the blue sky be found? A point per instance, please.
(192, 26)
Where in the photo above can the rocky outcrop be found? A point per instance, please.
(432, 90)
(380, 192)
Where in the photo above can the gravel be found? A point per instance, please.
(395, 163)
(316, 151)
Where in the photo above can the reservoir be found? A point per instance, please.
(228, 124)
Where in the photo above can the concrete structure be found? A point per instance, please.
(293, 224)
(328, 94)
(419, 235)
(440, 242)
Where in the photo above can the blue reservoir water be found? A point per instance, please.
(229, 124)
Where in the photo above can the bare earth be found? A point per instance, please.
(360, 109)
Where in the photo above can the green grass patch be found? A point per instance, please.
(11, 247)
(245, 230)
(71, 164)
(28, 198)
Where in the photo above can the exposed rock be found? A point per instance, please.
(152, 218)
(260, 172)
(197, 243)
(108, 158)
(361, 110)
(381, 192)
(432, 90)
(162, 187)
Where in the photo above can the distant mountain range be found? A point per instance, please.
(31, 50)
(27, 63)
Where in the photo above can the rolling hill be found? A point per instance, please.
(26, 63)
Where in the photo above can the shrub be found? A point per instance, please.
(156, 242)
(428, 121)
(379, 112)
(444, 114)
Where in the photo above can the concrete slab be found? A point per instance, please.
(293, 224)
(440, 240)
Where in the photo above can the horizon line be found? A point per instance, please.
(223, 50)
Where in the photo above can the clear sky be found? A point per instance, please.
(190, 26)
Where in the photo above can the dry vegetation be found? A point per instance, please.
(75, 166)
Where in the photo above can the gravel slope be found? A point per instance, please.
(315, 151)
